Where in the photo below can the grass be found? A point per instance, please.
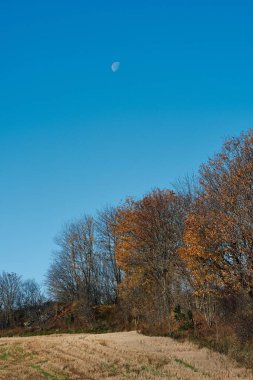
(243, 354)
(15, 355)
(186, 365)
(49, 375)
(22, 333)
(126, 355)
(156, 371)
(127, 370)
(46, 374)
(13, 352)
(4, 356)
(111, 368)
(154, 366)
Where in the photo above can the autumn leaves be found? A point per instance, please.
(191, 248)
(169, 244)
(149, 233)
(218, 237)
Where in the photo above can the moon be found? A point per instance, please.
(115, 66)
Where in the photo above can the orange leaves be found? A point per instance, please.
(148, 235)
(219, 231)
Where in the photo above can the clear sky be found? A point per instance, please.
(74, 136)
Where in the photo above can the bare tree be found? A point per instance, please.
(10, 296)
(31, 294)
(106, 242)
(74, 273)
(188, 189)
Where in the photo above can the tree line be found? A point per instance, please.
(16, 295)
(171, 261)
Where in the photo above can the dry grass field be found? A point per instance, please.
(126, 355)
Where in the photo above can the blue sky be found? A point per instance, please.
(74, 136)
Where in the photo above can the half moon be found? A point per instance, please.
(115, 66)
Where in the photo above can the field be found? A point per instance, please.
(125, 355)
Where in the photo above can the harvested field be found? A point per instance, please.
(126, 355)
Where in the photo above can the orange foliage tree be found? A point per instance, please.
(149, 234)
(219, 230)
